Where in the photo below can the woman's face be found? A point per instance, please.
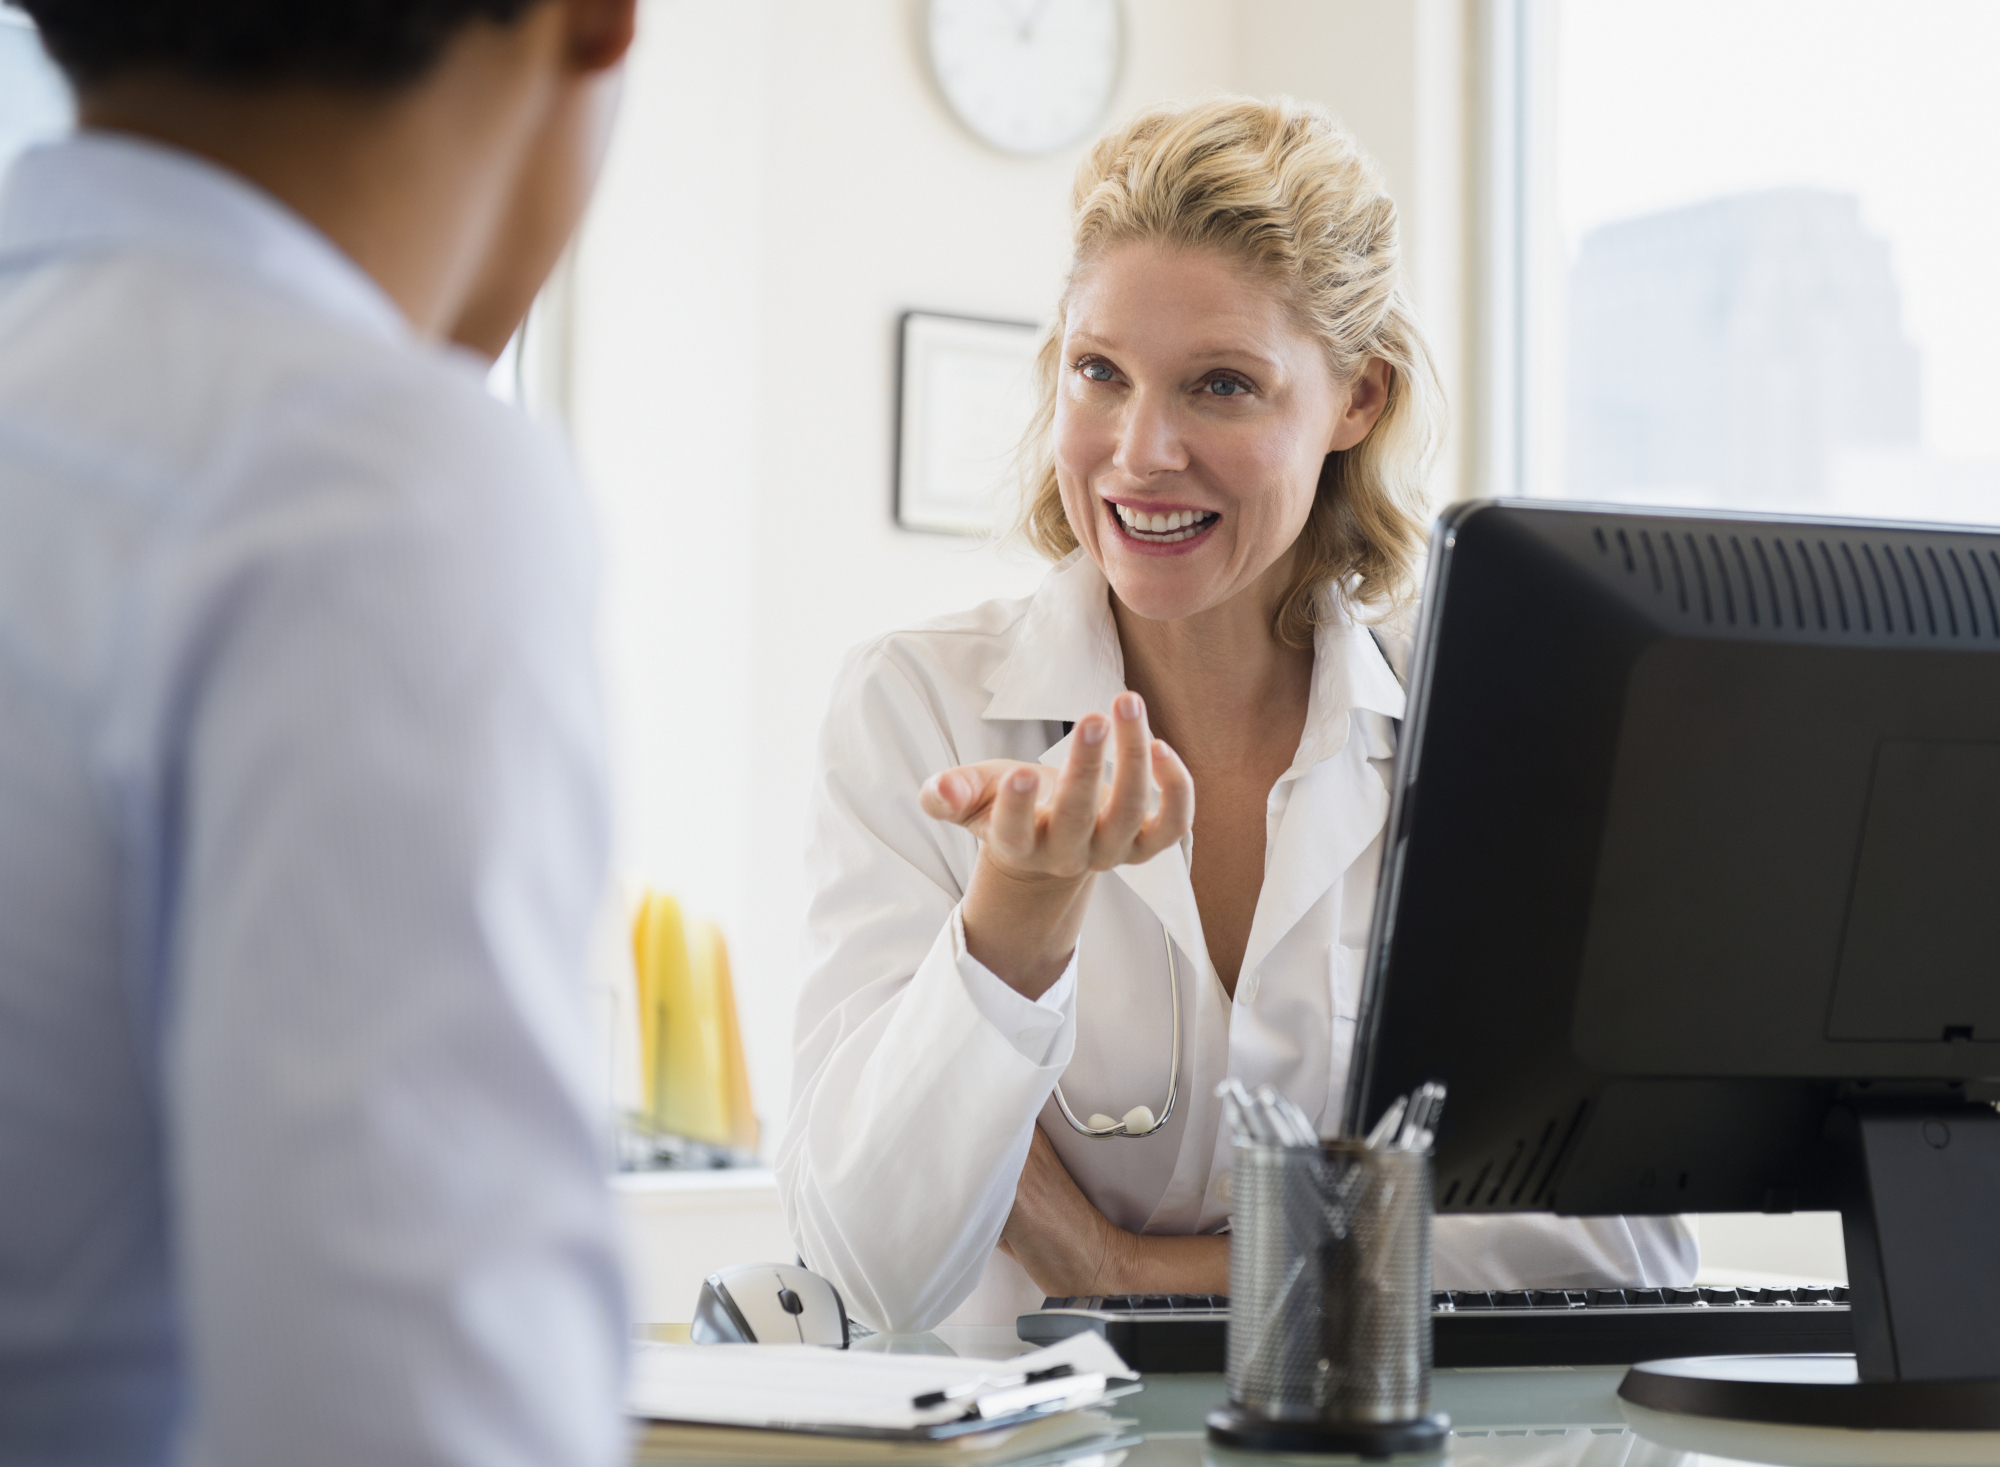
(1192, 419)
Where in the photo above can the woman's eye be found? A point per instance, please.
(1096, 371)
(1227, 387)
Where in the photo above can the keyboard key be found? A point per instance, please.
(1766, 1296)
(1511, 1299)
(1812, 1296)
(1440, 1301)
(1681, 1296)
(1471, 1299)
(1607, 1298)
(1646, 1296)
(1839, 1294)
(1719, 1296)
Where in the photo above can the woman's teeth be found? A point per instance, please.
(1182, 524)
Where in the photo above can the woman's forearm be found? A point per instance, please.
(1023, 929)
(1170, 1265)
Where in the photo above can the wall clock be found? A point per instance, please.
(1027, 76)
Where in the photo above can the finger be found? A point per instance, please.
(1131, 786)
(949, 795)
(1073, 812)
(1175, 817)
(963, 794)
(1010, 823)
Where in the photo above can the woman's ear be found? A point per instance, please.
(1367, 394)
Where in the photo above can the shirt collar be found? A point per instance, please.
(99, 191)
(1066, 662)
(1066, 659)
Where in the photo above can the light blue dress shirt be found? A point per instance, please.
(301, 831)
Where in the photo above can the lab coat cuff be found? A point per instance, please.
(1033, 1026)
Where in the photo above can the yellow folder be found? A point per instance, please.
(691, 1045)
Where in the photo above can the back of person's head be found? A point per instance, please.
(350, 43)
(1281, 190)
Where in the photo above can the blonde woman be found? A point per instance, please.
(1167, 766)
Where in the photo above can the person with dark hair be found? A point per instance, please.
(302, 802)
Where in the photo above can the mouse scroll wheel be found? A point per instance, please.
(790, 1302)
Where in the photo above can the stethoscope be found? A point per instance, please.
(1138, 1121)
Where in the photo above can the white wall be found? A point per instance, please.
(786, 182)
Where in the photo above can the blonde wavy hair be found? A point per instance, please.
(1280, 189)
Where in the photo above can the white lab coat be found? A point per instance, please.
(919, 1075)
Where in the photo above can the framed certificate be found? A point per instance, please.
(965, 396)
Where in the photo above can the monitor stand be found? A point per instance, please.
(1923, 1284)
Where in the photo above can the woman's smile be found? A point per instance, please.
(1160, 529)
(1191, 426)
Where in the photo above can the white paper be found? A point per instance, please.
(809, 1387)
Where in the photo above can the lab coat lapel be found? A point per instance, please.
(1336, 809)
(1163, 885)
(1338, 802)
(1066, 660)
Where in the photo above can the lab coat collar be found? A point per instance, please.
(1350, 672)
(100, 191)
(1066, 662)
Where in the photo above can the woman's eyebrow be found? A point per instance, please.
(1237, 350)
(1206, 352)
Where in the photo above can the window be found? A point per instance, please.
(1776, 287)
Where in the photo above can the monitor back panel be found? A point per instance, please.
(1693, 825)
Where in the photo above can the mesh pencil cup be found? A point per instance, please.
(1330, 1302)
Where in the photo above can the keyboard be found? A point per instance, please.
(1184, 1333)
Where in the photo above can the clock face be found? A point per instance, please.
(1027, 76)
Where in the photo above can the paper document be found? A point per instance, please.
(807, 1388)
(1070, 1436)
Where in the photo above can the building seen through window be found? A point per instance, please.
(1777, 293)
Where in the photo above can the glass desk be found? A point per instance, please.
(1500, 1418)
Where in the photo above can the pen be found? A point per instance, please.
(1386, 1127)
(1423, 1111)
(1254, 1121)
(988, 1383)
(1293, 1125)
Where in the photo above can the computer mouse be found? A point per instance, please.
(769, 1304)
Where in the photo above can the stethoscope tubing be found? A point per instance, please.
(1099, 1133)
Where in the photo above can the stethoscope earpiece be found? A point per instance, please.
(1139, 1121)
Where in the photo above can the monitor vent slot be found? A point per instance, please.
(1544, 1193)
(1528, 1171)
(1507, 1170)
(1866, 584)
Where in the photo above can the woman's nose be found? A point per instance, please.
(1149, 438)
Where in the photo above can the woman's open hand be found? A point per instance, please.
(1044, 833)
(1036, 821)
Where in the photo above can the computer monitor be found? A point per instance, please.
(1691, 892)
